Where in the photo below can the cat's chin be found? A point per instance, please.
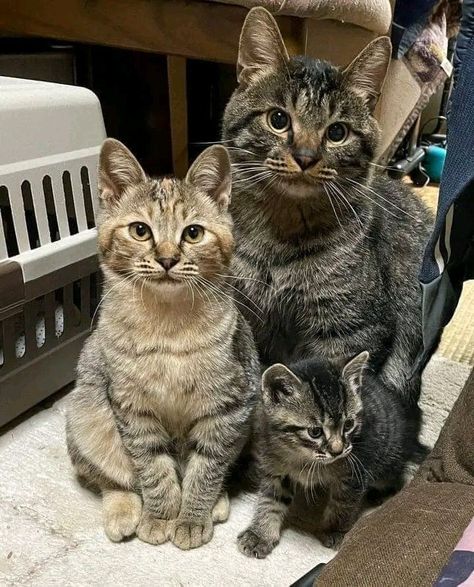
(166, 285)
(330, 460)
(300, 188)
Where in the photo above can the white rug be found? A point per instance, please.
(51, 532)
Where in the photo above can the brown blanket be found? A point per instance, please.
(409, 539)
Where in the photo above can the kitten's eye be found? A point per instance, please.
(348, 424)
(193, 233)
(315, 432)
(278, 120)
(139, 231)
(337, 132)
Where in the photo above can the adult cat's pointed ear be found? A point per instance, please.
(366, 74)
(118, 169)
(354, 370)
(279, 382)
(261, 47)
(211, 174)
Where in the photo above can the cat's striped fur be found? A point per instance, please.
(166, 384)
(329, 430)
(332, 248)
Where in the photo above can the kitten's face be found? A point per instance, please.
(299, 124)
(166, 232)
(315, 416)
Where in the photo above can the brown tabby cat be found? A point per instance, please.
(339, 245)
(167, 383)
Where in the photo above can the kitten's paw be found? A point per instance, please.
(221, 510)
(122, 511)
(332, 539)
(253, 545)
(152, 530)
(186, 535)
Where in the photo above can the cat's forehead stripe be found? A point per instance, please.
(327, 395)
(305, 97)
(164, 188)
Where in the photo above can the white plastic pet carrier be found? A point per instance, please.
(50, 136)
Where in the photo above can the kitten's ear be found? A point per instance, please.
(279, 382)
(366, 74)
(118, 169)
(210, 173)
(353, 372)
(261, 47)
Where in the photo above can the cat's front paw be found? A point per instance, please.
(186, 535)
(152, 530)
(332, 539)
(253, 545)
(221, 510)
(122, 511)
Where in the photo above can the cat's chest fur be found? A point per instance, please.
(165, 379)
(303, 295)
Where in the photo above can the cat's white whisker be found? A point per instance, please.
(338, 190)
(216, 142)
(241, 149)
(121, 282)
(370, 190)
(229, 298)
(242, 278)
(332, 206)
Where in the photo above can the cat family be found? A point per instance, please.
(167, 383)
(333, 431)
(328, 249)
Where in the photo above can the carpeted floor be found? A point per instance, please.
(51, 534)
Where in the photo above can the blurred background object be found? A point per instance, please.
(168, 62)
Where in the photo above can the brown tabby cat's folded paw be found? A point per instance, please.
(221, 510)
(186, 535)
(253, 545)
(332, 539)
(152, 530)
(121, 514)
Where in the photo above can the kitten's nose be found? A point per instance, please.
(167, 262)
(304, 160)
(336, 447)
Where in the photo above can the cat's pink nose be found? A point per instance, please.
(167, 262)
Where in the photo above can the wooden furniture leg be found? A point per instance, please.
(178, 113)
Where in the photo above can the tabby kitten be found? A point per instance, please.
(333, 432)
(339, 245)
(167, 382)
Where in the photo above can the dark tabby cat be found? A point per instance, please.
(328, 249)
(167, 383)
(331, 431)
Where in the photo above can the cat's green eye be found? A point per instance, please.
(278, 120)
(140, 231)
(315, 433)
(337, 133)
(348, 424)
(193, 233)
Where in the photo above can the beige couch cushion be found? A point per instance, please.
(373, 15)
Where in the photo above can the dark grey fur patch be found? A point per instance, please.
(335, 290)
